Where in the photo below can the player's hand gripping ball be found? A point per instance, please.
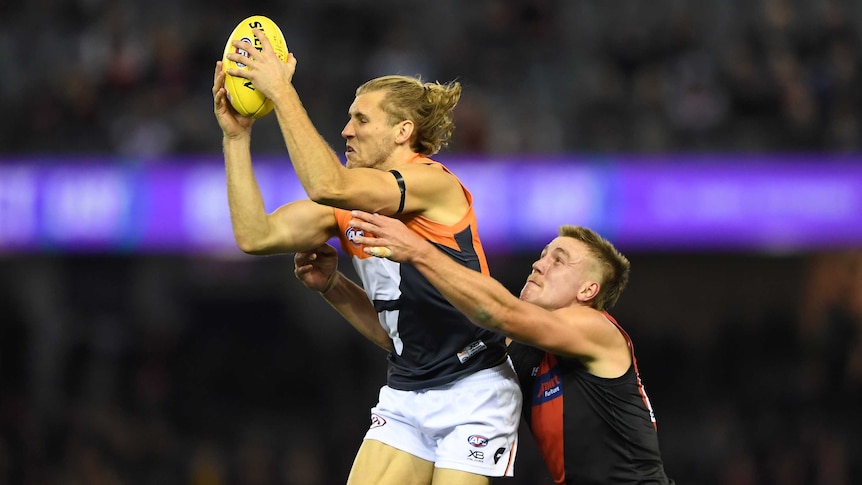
(244, 98)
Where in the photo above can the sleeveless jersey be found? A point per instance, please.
(590, 430)
(433, 343)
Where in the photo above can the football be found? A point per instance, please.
(244, 98)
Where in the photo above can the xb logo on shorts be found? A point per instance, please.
(476, 455)
(477, 441)
(351, 234)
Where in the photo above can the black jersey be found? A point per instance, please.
(433, 343)
(590, 430)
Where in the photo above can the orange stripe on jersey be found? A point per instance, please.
(432, 231)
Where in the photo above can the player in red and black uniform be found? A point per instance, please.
(583, 396)
(589, 429)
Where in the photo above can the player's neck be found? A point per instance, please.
(400, 158)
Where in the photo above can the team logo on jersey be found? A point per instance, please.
(477, 441)
(376, 421)
(351, 234)
(498, 454)
(547, 386)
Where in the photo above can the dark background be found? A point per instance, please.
(194, 370)
(205, 369)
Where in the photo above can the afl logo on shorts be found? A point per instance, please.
(351, 234)
(477, 441)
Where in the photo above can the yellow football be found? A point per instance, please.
(245, 99)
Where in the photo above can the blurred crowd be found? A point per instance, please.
(158, 371)
(179, 370)
(132, 78)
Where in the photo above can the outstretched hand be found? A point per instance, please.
(232, 123)
(317, 268)
(264, 68)
(386, 237)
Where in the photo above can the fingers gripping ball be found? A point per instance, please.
(244, 98)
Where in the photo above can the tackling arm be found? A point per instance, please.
(482, 299)
(574, 330)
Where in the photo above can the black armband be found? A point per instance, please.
(400, 180)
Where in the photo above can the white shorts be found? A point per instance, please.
(469, 425)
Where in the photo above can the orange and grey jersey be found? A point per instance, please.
(433, 343)
(590, 430)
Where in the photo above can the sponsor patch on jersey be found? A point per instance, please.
(477, 441)
(471, 350)
(547, 386)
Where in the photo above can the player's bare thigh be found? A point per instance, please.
(380, 464)
(446, 476)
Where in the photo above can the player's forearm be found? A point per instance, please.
(481, 298)
(247, 211)
(350, 300)
(315, 163)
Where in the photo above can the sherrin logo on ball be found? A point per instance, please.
(243, 96)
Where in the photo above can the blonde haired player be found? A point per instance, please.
(449, 412)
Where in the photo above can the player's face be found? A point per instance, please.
(562, 270)
(370, 137)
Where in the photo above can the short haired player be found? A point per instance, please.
(450, 410)
(583, 396)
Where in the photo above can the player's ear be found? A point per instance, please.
(588, 291)
(405, 131)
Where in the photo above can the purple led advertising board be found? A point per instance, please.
(669, 203)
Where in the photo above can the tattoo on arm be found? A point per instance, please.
(483, 317)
